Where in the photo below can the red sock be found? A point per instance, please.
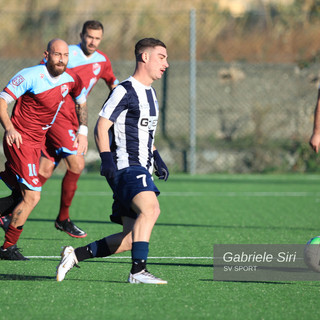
(42, 179)
(68, 189)
(11, 237)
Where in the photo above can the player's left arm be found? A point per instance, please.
(78, 93)
(81, 141)
(108, 75)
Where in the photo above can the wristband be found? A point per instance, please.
(83, 130)
(106, 156)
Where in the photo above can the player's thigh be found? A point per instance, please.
(60, 139)
(146, 202)
(24, 164)
(131, 181)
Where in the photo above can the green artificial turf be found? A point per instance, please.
(196, 213)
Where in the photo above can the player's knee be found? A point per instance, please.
(77, 166)
(156, 212)
(32, 198)
(81, 166)
(46, 174)
(152, 213)
(46, 169)
(36, 198)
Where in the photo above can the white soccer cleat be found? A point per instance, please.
(68, 261)
(145, 277)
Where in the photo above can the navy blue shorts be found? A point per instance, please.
(127, 183)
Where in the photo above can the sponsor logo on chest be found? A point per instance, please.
(150, 123)
(96, 68)
(64, 90)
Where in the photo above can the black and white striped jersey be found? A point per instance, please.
(133, 108)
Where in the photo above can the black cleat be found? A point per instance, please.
(70, 228)
(5, 222)
(11, 253)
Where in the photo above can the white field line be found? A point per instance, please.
(243, 194)
(129, 258)
(197, 194)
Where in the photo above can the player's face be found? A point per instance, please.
(57, 58)
(90, 41)
(157, 63)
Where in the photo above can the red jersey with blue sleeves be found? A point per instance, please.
(39, 98)
(60, 138)
(90, 70)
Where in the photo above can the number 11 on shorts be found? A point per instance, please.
(32, 170)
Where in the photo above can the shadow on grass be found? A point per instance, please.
(24, 277)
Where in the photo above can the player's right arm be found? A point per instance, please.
(315, 138)
(11, 134)
(107, 73)
(17, 86)
(114, 105)
(81, 141)
(101, 134)
(78, 92)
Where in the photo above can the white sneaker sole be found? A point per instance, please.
(139, 278)
(60, 268)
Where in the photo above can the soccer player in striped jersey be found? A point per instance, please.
(129, 119)
(90, 65)
(39, 92)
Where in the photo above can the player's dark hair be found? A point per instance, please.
(145, 43)
(92, 24)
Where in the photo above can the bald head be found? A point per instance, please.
(57, 56)
(56, 43)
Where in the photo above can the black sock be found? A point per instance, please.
(138, 265)
(100, 248)
(83, 253)
(7, 204)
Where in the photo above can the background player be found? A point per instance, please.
(315, 138)
(131, 113)
(39, 91)
(90, 65)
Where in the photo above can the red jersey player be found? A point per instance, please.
(40, 92)
(90, 65)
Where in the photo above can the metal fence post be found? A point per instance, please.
(193, 82)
